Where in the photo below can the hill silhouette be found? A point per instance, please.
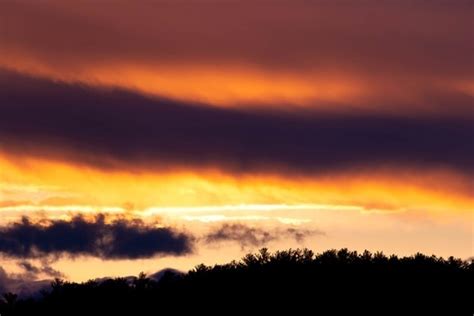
(299, 281)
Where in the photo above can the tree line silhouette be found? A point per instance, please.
(335, 281)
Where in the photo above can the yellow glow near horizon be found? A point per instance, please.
(57, 184)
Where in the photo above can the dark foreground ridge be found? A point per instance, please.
(333, 282)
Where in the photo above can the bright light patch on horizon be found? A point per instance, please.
(188, 213)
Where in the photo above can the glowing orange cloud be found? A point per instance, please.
(229, 85)
(373, 56)
(242, 86)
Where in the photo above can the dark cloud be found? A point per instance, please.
(34, 270)
(118, 239)
(29, 267)
(107, 128)
(3, 280)
(51, 272)
(249, 236)
(300, 234)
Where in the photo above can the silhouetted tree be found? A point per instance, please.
(342, 281)
(10, 298)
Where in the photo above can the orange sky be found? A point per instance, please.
(289, 70)
(359, 58)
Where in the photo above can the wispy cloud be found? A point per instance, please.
(34, 271)
(253, 236)
(23, 285)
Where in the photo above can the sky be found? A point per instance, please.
(137, 136)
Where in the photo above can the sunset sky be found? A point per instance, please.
(141, 135)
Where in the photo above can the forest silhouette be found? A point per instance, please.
(299, 281)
